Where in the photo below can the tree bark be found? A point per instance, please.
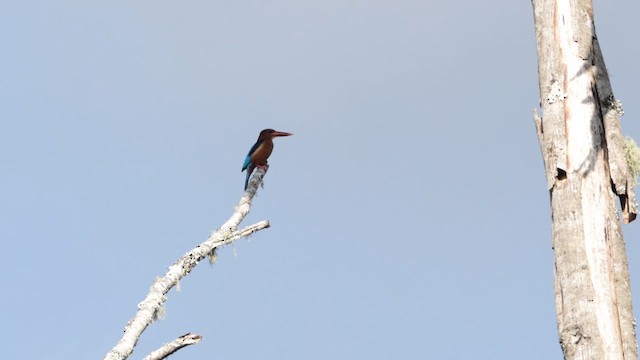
(151, 309)
(586, 171)
(168, 349)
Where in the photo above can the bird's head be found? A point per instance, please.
(270, 133)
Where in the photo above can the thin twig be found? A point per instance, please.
(177, 344)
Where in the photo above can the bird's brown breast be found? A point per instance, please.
(262, 153)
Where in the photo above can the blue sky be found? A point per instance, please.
(410, 217)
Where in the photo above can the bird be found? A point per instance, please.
(260, 151)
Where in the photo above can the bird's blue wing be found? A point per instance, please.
(247, 160)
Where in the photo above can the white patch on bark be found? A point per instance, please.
(579, 101)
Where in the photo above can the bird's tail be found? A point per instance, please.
(246, 181)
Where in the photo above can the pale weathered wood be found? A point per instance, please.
(581, 142)
(169, 348)
(552, 96)
(611, 110)
(150, 308)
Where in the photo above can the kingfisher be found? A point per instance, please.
(260, 151)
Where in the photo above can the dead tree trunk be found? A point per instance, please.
(582, 148)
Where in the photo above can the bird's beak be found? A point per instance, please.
(281, 133)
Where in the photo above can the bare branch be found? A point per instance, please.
(150, 308)
(177, 344)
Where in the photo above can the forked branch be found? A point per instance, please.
(150, 308)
